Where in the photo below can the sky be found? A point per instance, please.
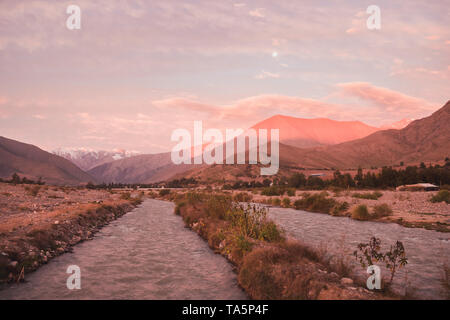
(137, 70)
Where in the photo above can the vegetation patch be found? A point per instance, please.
(381, 210)
(361, 212)
(441, 196)
(319, 202)
(269, 266)
(369, 195)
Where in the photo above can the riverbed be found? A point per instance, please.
(146, 254)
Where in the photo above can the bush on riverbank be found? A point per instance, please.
(164, 192)
(318, 202)
(370, 195)
(276, 201)
(381, 210)
(361, 212)
(268, 265)
(242, 197)
(286, 203)
(441, 196)
(273, 191)
(278, 272)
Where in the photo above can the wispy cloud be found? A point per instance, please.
(258, 13)
(385, 99)
(266, 74)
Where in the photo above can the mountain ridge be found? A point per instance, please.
(32, 162)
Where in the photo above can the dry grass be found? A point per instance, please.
(269, 266)
(361, 212)
(381, 211)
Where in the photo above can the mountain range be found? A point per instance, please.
(87, 159)
(424, 140)
(304, 143)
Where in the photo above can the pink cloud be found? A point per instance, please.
(378, 105)
(385, 99)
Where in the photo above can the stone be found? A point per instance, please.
(346, 281)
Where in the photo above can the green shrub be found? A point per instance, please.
(340, 208)
(370, 253)
(370, 196)
(441, 196)
(318, 202)
(382, 210)
(252, 222)
(291, 192)
(276, 201)
(178, 207)
(273, 191)
(164, 192)
(286, 202)
(270, 232)
(125, 196)
(360, 212)
(242, 197)
(243, 244)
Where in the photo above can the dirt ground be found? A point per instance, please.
(25, 205)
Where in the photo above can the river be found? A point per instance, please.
(149, 254)
(146, 254)
(426, 250)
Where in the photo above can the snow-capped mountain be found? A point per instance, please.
(87, 159)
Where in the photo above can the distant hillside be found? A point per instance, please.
(30, 161)
(87, 159)
(397, 125)
(146, 168)
(305, 133)
(427, 139)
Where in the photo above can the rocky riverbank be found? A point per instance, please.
(30, 239)
(269, 266)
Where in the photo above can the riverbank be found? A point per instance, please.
(269, 265)
(406, 208)
(38, 223)
(147, 254)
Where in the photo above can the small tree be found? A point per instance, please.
(370, 252)
(395, 258)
